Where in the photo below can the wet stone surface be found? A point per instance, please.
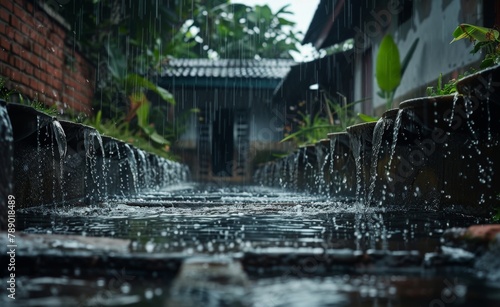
(248, 246)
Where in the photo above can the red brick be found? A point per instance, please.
(15, 22)
(4, 15)
(45, 77)
(6, 71)
(3, 27)
(71, 84)
(27, 30)
(49, 57)
(57, 62)
(56, 37)
(9, 31)
(4, 44)
(25, 79)
(37, 49)
(55, 93)
(33, 59)
(21, 39)
(20, 12)
(29, 70)
(61, 32)
(17, 49)
(34, 83)
(37, 73)
(56, 84)
(14, 75)
(33, 35)
(19, 63)
(4, 56)
(12, 61)
(42, 65)
(43, 31)
(8, 5)
(29, 8)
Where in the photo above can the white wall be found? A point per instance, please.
(434, 53)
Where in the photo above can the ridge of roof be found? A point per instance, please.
(228, 68)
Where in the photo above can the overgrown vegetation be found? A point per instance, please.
(496, 217)
(335, 116)
(7, 94)
(131, 42)
(121, 130)
(486, 40)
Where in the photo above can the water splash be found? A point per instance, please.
(323, 158)
(62, 146)
(92, 142)
(333, 178)
(454, 106)
(7, 161)
(395, 133)
(39, 158)
(378, 133)
(133, 167)
(489, 90)
(144, 170)
(60, 138)
(356, 152)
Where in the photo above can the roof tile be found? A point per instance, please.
(232, 68)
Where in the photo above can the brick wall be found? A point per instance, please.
(38, 60)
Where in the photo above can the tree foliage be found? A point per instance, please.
(234, 30)
(130, 42)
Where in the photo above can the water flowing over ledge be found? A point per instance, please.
(51, 162)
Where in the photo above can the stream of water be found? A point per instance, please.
(242, 224)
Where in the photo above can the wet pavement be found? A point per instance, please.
(246, 246)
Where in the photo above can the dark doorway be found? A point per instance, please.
(223, 143)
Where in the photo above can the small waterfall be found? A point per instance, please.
(332, 187)
(395, 133)
(95, 185)
(39, 158)
(6, 163)
(322, 166)
(62, 146)
(133, 167)
(453, 108)
(356, 152)
(485, 170)
(295, 170)
(276, 174)
(378, 133)
(60, 137)
(143, 169)
(488, 91)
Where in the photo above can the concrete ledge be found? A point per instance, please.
(58, 162)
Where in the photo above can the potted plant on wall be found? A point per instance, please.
(447, 143)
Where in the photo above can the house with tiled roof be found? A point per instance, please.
(236, 118)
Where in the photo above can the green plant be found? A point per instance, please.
(5, 93)
(133, 88)
(484, 39)
(120, 129)
(39, 106)
(389, 71)
(496, 217)
(314, 128)
(447, 89)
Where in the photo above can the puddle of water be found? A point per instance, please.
(236, 221)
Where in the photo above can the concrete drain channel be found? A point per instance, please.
(248, 246)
